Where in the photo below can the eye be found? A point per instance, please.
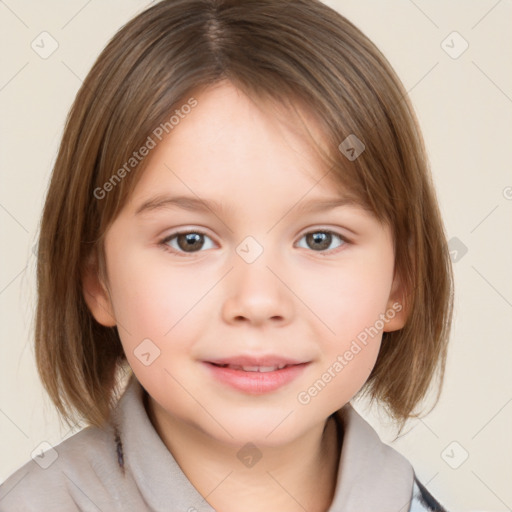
(185, 242)
(190, 242)
(322, 240)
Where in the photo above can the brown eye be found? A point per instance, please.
(321, 241)
(186, 242)
(190, 241)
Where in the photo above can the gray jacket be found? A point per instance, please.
(126, 467)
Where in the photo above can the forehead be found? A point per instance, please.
(232, 146)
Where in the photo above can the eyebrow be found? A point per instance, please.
(163, 202)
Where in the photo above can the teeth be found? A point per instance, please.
(261, 369)
(256, 368)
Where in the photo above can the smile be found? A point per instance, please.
(255, 380)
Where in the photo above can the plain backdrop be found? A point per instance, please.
(454, 58)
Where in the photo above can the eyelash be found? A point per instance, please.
(163, 243)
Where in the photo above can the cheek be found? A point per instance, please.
(349, 301)
(350, 298)
(153, 300)
(348, 356)
(159, 316)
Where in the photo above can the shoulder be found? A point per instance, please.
(373, 475)
(71, 476)
(422, 500)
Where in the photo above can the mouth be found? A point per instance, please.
(261, 369)
(255, 379)
(267, 362)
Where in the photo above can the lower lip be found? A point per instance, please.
(256, 383)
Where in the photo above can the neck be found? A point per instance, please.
(298, 476)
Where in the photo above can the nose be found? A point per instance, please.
(255, 293)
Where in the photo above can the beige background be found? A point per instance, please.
(465, 108)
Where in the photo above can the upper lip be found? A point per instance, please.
(265, 361)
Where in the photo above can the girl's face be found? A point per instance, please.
(271, 271)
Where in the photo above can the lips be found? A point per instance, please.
(256, 375)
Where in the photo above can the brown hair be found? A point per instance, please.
(299, 52)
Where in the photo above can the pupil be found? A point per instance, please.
(191, 239)
(321, 240)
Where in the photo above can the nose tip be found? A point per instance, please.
(255, 307)
(257, 316)
(254, 293)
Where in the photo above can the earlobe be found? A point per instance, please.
(96, 296)
(397, 309)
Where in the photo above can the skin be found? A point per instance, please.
(294, 300)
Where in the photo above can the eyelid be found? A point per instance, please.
(183, 231)
(338, 231)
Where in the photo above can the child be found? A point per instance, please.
(219, 377)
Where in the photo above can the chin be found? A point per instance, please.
(269, 428)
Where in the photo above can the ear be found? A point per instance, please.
(397, 309)
(96, 294)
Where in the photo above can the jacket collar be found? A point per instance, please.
(371, 475)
